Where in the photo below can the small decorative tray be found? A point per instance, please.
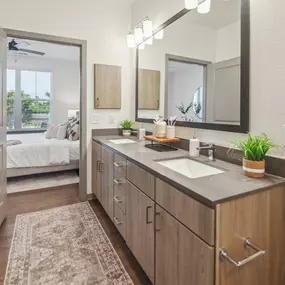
(162, 140)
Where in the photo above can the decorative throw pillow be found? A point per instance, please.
(74, 133)
(51, 132)
(61, 132)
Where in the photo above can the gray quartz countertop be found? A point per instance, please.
(210, 190)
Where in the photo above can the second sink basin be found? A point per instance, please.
(190, 168)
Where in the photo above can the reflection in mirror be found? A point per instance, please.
(194, 71)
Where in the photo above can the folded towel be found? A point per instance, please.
(13, 142)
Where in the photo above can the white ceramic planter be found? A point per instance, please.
(126, 133)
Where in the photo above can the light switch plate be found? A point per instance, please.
(111, 120)
(95, 119)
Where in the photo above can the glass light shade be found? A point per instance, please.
(131, 40)
(149, 41)
(147, 28)
(191, 4)
(138, 35)
(142, 46)
(159, 35)
(204, 7)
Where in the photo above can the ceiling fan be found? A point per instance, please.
(13, 46)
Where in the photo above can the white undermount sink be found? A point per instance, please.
(190, 168)
(122, 141)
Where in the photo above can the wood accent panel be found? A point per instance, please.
(141, 178)
(121, 168)
(119, 220)
(108, 156)
(120, 195)
(149, 89)
(146, 235)
(194, 215)
(96, 175)
(260, 217)
(195, 259)
(107, 89)
(166, 248)
(132, 212)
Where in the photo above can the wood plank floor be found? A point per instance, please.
(26, 202)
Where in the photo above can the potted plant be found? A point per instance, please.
(126, 126)
(184, 111)
(254, 149)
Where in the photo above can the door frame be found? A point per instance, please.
(82, 44)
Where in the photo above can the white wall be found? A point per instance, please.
(267, 84)
(104, 24)
(65, 93)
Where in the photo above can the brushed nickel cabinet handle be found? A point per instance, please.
(98, 165)
(147, 215)
(116, 199)
(157, 104)
(118, 182)
(117, 221)
(101, 166)
(119, 164)
(247, 243)
(98, 102)
(157, 229)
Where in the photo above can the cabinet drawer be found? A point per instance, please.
(107, 156)
(193, 214)
(120, 193)
(141, 178)
(119, 220)
(120, 166)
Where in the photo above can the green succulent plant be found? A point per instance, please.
(254, 147)
(126, 124)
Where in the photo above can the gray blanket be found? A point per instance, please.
(13, 142)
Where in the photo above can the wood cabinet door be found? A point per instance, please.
(195, 259)
(132, 213)
(96, 174)
(107, 86)
(149, 89)
(146, 235)
(166, 248)
(107, 189)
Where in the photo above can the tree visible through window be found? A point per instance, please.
(28, 107)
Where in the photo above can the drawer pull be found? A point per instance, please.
(119, 164)
(116, 199)
(247, 243)
(147, 215)
(157, 229)
(117, 221)
(118, 182)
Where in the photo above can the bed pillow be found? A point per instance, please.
(74, 133)
(52, 132)
(61, 132)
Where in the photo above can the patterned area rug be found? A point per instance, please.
(61, 246)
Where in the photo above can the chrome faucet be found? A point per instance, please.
(211, 151)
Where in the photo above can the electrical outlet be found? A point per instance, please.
(111, 120)
(95, 119)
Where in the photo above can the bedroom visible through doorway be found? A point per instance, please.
(43, 114)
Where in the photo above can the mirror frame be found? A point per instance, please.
(245, 76)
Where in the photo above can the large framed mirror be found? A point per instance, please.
(198, 70)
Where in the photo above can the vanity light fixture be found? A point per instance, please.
(138, 35)
(191, 4)
(149, 41)
(147, 28)
(159, 35)
(204, 7)
(131, 40)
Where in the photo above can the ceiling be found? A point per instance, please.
(52, 51)
(223, 13)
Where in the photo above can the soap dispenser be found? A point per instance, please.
(194, 145)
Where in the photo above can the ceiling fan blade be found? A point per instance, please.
(31, 51)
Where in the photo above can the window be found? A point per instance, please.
(28, 99)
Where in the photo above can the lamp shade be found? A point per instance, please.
(204, 7)
(159, 35)
(147, 28)
(191, 4)
(131, 40)
(138, 35)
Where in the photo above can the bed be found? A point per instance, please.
(36, 154)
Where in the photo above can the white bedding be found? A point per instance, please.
(37, 151)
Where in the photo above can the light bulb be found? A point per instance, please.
(159, 35)
(138, 35)
(147, 28)
(131, 40)
(204, 7)
(149, 41)
(142, 46)
(191, 4)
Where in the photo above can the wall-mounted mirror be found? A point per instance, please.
(199, 70)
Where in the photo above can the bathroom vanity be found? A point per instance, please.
(218, 229)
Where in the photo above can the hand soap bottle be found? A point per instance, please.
(194, 144)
